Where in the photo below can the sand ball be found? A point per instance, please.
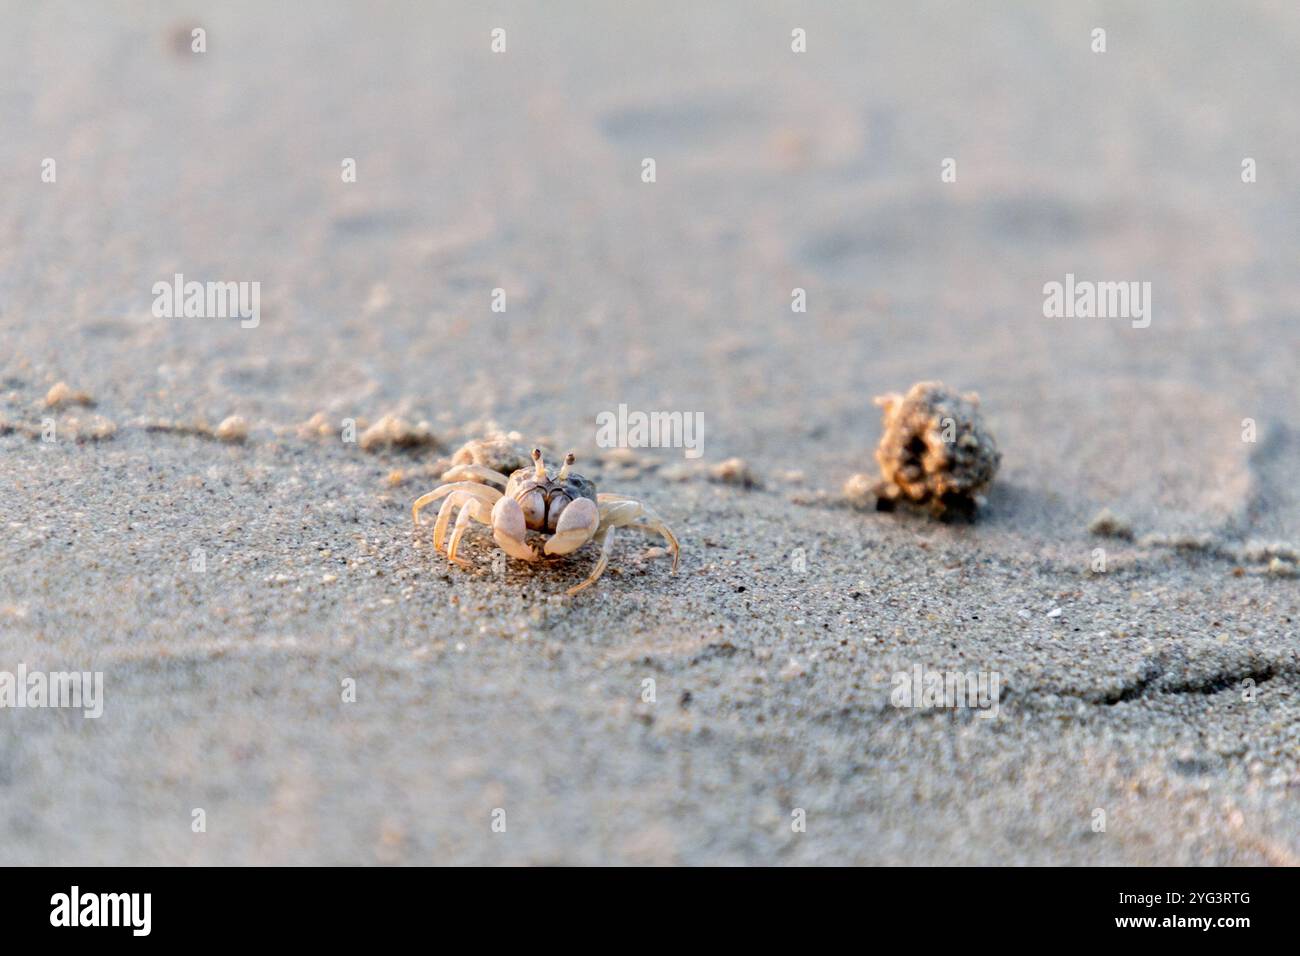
(936, 450)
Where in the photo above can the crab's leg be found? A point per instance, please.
(462, 472)
(458, 499)
(483, 492)
(617, 511)
(606, 498)
(605, 538)
(473, 509)
(449, 504)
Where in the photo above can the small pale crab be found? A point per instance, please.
(563, 507)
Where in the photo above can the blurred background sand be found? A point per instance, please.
(774, 171)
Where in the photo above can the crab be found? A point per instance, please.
(564, 508)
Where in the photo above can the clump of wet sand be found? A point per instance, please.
(318, 426)
(500, 452)
(936, 453)
(393, 431)
(734, 471)
(62, 395)
(1108, 524)
(233, 428)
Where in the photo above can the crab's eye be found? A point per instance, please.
(534, 507)
(558, 502)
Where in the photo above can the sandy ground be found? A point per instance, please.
(1122, 691)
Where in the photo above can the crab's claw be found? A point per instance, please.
(578, 522)
(510, 530)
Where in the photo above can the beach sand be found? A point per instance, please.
(774, 647)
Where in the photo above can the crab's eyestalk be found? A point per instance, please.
(569, 459)
(538, 465)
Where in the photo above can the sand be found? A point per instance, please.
(773, 648)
